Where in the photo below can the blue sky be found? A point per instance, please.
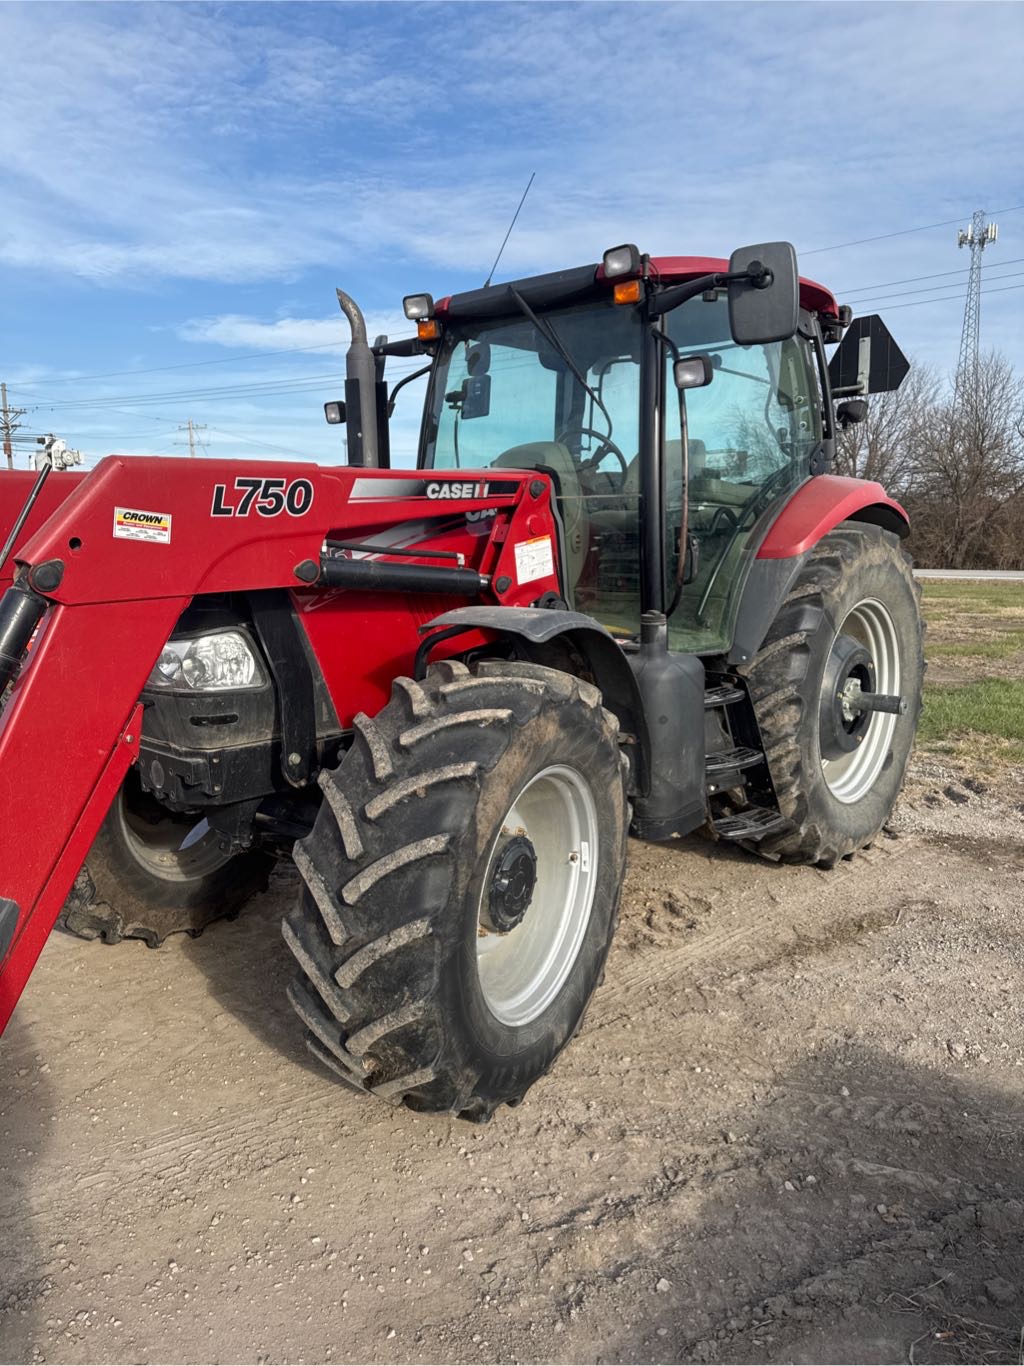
(185, 184)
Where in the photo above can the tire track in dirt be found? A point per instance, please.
(765, 1067)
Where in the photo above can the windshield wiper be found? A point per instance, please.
(552, 337)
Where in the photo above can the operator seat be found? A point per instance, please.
(621, 513)
(551, 457)
(704, 487)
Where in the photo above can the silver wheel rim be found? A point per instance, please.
(175, 849)
(522, 972)
(851, 776)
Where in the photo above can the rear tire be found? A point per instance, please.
(139, 883)
(837, 781)
(421, 867)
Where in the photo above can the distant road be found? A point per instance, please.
(1007, 575)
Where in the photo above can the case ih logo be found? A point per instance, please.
(456, 489)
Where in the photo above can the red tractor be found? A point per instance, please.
(619, 593)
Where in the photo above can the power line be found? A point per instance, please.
(244, 359)
(913, 279)
(953, 298)
(290, 383)
(902, 232)
(880, 299)
(234, 436)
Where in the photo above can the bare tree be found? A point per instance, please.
(885, 445)
(969, 472)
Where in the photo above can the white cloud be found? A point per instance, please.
(236, 331)
(241, 332)
(181, 142)
(384, 147)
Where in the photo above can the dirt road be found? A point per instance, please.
(792, 1129)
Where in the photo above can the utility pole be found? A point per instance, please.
(9, 424)
(192, 428)
(977, 237)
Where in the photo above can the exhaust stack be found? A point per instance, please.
(360, 389)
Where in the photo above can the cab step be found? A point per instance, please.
(752, 824)
(722, 696)
(725, 760)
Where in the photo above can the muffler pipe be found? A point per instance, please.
(360, 389)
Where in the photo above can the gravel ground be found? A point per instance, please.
(791, 1130)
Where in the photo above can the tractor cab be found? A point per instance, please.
(574, 374)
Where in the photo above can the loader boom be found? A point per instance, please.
(131, 546)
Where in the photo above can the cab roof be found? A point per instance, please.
(579, 283)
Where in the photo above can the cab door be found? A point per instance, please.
(753, 432)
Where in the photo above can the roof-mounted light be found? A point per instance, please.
(624, 260)
(418, 306)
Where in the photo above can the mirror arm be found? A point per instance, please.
(668, 299)
(406, 379)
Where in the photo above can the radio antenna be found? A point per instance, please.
(510, 227)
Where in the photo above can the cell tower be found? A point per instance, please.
(977, 237)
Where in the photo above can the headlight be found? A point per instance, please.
(220, 662)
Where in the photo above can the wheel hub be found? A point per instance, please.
(849, 671)
(513, 879)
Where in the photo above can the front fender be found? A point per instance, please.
(602, 657)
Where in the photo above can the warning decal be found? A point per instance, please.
(534, 559)
(131, 524)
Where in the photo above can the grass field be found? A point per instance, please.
(974, 693)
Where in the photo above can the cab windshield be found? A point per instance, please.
(503, 395)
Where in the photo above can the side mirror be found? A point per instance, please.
(854, 410)
(693, 372)
(334, 412)
(764, 304)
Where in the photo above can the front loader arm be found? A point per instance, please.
(111, 570)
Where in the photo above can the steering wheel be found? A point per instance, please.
(607, 447)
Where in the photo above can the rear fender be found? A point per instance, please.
(817, 507)
(602, 659)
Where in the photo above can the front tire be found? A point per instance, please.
(151, 873)
(853, 614)
(462, 885)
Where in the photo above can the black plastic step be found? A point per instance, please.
(725, 760)
(721, 696)
(752, 824)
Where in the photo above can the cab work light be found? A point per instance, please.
(418, 306)
(334, 412)
(624, 260)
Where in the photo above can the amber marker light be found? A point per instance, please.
(627, 292)
(428, 330)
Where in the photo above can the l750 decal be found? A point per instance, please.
(267, 497)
